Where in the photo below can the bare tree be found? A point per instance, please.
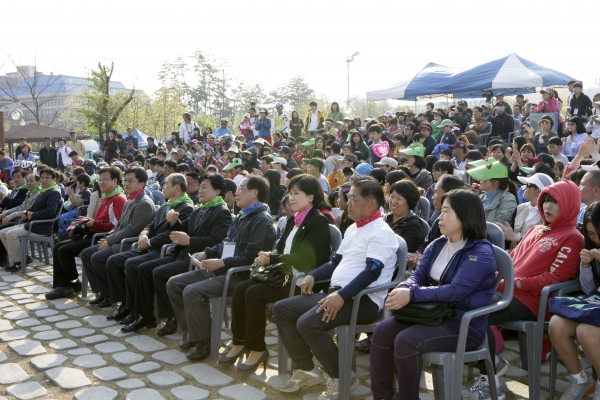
(31, 90)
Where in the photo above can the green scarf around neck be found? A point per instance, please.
(54, 186)
(19, 187)
(116, 191)
(217, 201)
(35, 191)
(183, 199)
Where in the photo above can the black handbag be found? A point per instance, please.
(432, 314)
(274, 275)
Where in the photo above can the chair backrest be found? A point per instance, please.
(159, 197)
(506, 271)
(59, 211)
(425, 228)
(517, 125)
(155, 186)
(336, 238)
(496, 235)
(422, 208)
(401, 257)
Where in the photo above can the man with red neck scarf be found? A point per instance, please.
(138, 212)
(366, 257)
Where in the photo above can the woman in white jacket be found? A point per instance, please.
(63, 155)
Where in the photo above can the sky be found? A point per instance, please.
(271, 41)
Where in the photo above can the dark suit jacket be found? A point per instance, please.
(206, 228)
(15, 199)
(137, 213)
(45, 207)
(49, 157)
(158, 231)
(311, 246)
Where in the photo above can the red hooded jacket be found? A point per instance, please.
(549, 253)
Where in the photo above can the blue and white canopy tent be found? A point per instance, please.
(141, 137)
(510, 75)
(429, 82)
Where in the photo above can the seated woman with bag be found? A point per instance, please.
(304, 246)
(570, 322)
(457, 268)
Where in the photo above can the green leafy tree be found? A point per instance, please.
(101, 105)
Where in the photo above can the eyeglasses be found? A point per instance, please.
(128, 181)
(105, 180)
(43, 178)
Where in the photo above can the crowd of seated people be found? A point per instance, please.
(216, 201)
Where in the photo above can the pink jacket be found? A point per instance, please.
(552, 106)
(245, 126)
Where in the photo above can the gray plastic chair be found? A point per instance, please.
(44, 241)
(335, 236)
(423, 208)
(346, 333)
(531, 335)
(496, 234)
(575, 287)
(159, 197)
(425, 227)
(447, 367)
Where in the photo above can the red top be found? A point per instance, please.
(109, 213)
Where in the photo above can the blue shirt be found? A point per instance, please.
(221, 132)
(489, 197)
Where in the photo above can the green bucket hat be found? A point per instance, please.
(247, 152)
(236, 162)
(479, 163)
(311, 142)
(260, 141)
(495, 170)
(234, 149)
(527, 170)
(445, 122)
(415, 149)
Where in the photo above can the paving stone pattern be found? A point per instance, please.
(67, 349)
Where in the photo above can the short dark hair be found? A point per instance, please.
(171, 164)
(139, 172)
(53, 174)
(448, 152)
(315, 162)
(294, 172)
(309, 185)
(407, 189)
(368, 187)
(178, 180)
(313, 103)
(115, 173)
(47, 137)
(150, 139)
(443, 166)
(420, 162)
(160, 163)
(23, 173)
(182, 168)
(259, 184)
(335, 147)
(469, 210)
(267, 159)
(73, 153)
(555, 141)
(379, 174)
(450, 182)
(375, 128)
(474, 155)
(113, 131)
(216, 181)
(395, 176)
(84, 178)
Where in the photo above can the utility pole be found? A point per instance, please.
(348, 61)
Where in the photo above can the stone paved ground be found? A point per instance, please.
(66, 349)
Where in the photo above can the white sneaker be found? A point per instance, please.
(300, 379)
(333, 388)
(579, 391)
(481, 391)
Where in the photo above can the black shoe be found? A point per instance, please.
(28, 260)
(251, 368)
(186, 344)
(120, 314)
(13, 267)
(141, 322)
(364, 346)
(106, 303)
(59, 293)
(169, 328)
(226, 361)
(201, 352)
(99, 299)
(129, 320)
(76, 286)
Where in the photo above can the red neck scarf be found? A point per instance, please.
(363, 222)
(136, 194)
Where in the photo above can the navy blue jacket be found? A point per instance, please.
(14, 199)
(45, 207)
(468, 280)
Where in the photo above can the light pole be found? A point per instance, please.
(15, 114)
(348, 61)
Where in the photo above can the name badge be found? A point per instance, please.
(576, 111)
(228, 249)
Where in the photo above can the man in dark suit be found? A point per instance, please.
(48, 154)
(193, 185)
(18, 194)
(45, 207)
(150, 243)
(138, 212)
(205, 227)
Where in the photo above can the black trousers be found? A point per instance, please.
(149, 278)
(115, 267)
(248, 316)
(63, 261)
(3, 251)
